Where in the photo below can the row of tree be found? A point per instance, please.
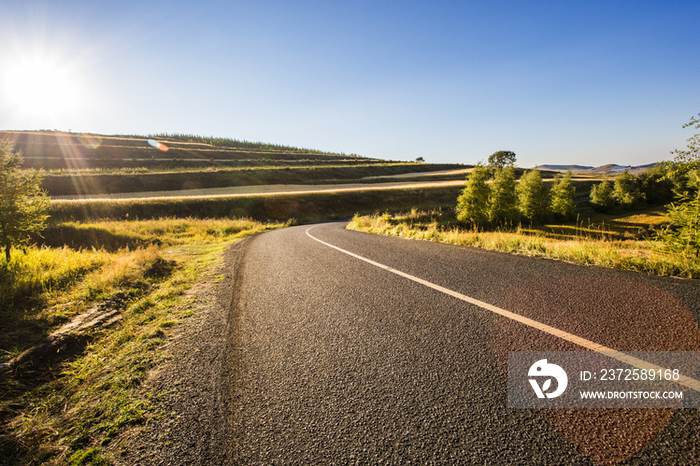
(627, 192)
(492, 197)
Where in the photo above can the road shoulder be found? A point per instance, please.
(192, 390)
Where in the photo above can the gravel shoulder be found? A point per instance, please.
(192, 390)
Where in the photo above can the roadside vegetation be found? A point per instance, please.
(67, 391)
(625, 222)
(621, 241)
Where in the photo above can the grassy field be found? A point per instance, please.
(622, 241)
(61, 404)
(304, 208)
(130, 181)
(60, 150)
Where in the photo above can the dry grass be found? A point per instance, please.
(590, 244)
(69, 411)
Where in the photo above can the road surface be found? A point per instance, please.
(339, 359)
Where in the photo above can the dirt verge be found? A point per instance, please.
(192, 391)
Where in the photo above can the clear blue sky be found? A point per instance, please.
(555, 82)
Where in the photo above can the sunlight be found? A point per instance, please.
(40, 87)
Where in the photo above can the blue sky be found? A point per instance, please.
(555, 82)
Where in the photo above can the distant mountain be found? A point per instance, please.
(563, 168)
(602, 170)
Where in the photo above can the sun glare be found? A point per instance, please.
(41, 88)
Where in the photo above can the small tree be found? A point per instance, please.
(532, 196)
(684, 233)
(473, 202)
(503, 203)
(23, 204)
(562, 195)
(602, 195)
(683, 236)
(689, 160)
(625, 191)
(420, 159)
(502, 158)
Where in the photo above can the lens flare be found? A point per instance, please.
(158, 145)
(89, 140)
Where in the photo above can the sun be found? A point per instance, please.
(41, 88)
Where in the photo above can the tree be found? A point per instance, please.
(532, 196)
(562, 196)
(502, 199)
(420, 159)
(655, 185)
(625, 190)
(502, 158)
(683, 235)
(473, 202)
(688, 160)
(602, 195)
(23, 205)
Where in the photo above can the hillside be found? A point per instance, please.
(601, 170)
(91, 164)
(53, 150)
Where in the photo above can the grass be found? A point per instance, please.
(69, 411)
(85, 182)
(305, 208)
(610, 241)
(60, 150)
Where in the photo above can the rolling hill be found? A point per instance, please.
(602, 170)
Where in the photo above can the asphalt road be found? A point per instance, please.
(339, 361)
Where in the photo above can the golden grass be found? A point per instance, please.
(584, 245)
(89, 397)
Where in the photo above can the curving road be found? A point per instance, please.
(349, 349)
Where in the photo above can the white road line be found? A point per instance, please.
(570, 337)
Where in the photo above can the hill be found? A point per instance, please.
(56, 150)
(601, 170)
(90, 164)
